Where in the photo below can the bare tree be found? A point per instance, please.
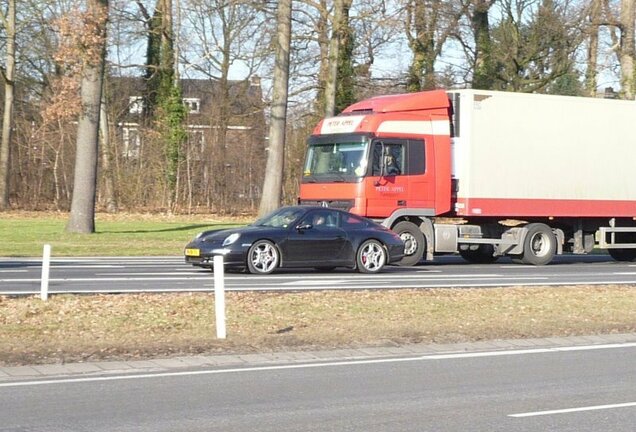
(82, 216)
(428, 25)
(219, 38)
(532, 48)
(272, 187)
(8, 21)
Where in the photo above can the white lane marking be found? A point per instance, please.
(13, 271)
(401, 284)
(89, 266)
(276, 287)
(317, 282)
(517, 266)
(115, 279)
(449, 356)
(571, 410)
(272, 279)
(209, 274)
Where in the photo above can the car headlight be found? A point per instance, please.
(231, 239)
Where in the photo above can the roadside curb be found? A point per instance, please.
(101, 368)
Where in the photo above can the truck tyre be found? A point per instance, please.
(539, 245)
(414, 242)
(481, 254)
(627, 255)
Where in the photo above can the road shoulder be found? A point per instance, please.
(184, 363)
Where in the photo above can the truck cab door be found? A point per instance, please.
(405, 186)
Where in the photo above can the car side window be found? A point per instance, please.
(353, 222)
(321, 219)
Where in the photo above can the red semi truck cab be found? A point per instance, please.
(483, 173)
(382, 155)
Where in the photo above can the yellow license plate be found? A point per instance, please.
(193, 252)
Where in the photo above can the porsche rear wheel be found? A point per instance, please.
(371, 257)
(263, 257)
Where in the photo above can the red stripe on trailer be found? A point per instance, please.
(506, 207)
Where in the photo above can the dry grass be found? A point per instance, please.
(81, 328)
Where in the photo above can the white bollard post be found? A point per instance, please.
(46, 263)
(219, 297)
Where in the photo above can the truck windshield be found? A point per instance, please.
(344, 161)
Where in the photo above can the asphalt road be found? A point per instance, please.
(134, 274)
(578, 389)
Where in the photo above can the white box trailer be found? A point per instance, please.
(535, 175)
(520, 155)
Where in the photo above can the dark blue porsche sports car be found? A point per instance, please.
(300, 236)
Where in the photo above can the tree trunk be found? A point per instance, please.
(272, 186)
(109, 182)
(334, 54)
(82, 217)
(345, 75)
(419, 42)
(592, 50)
(7, 120)
(483, 71)
(627, 49)
(323, 44)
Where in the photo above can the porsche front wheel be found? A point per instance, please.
(263, 257)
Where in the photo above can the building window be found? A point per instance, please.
(136, 104)
(193, 105)
(132, 142)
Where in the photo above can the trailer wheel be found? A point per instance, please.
(414, 242)
(481, 254)
(539, 245)
(627, 255)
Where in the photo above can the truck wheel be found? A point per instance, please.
(414, 242)
(627, 255)
(539, 245)
(481, 254)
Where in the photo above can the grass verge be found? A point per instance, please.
(23, 234)
(86, 328)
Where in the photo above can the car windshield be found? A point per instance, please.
(281, 218)
(342, 161)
